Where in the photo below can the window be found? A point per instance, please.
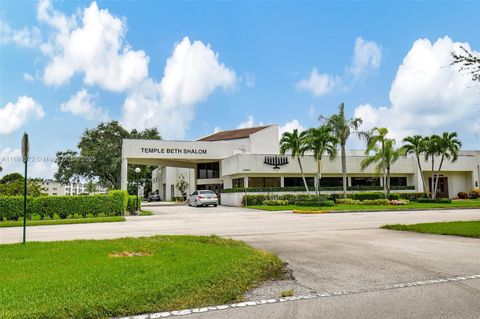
(208, 170)
(331, 181)
(398, 181)
(264, 182)
(238, 182)
(297, 181)
(365, 181)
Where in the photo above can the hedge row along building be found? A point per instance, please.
(230, 161)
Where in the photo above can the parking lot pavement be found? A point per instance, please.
(331, 252)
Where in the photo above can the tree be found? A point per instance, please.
(384, 156)
(376, 139)
(321, 141)
(342, 128)
(295, 143)
(468, 62)
(181, 185)
(416, 145)
(447, 147)
(12, 185)
(90, 187)
(100, 155)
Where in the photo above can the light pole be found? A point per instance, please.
(137, 170)
(25, 151)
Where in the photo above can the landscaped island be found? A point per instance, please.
(458, 228)
(107, 278)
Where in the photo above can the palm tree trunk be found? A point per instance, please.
(319, 177)
(438, 174)
(388, 181)
(421, 174)
(432, 182)
(303, 176)
(344, 171)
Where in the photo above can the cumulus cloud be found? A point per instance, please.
(14, 115)
(39, 167)
(427, 95)
(319, 83)
(191, 74)
(290, 126)
(367, 55)
(83, 104)
(26, 37)
(92, 44)
(249, 122)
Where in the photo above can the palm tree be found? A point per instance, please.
(432, 150)
(342, 127)
(448, 147)
(294, 143)
(416, 145)
(384, 158)
(321, 141)
(376, 139)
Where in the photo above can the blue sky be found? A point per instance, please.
(242, 64)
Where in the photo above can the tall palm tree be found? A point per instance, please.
(448, 147)
(295, 143)
(384, 158)
(376, 139)
(416, 145)
(321, 141)
(342, 128)
(432, 150)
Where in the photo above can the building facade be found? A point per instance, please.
(249, 158)
(54, 188)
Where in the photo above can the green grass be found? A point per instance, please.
(80, 279)
(144, 212)
(34, 222)
(460, 228)
(341, 207)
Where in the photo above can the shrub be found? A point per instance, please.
(315, 203)
(348, 201)
(393, 196)
(375, 202)
(462, 195)
(369, 196)
(120, 201)
(132, 204)
(258, 199)
(399, 202)
(475, 193)
(275, 202)
(11, 207)
(413, 196)
(436, 200)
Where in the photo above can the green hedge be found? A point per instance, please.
(315, 203)
(436, 200)
(393, 196)
(413, 196)
(115, 203)
(132, 204)
(370, 196)
(258, 199)
(302, 189)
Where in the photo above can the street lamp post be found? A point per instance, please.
(25, 151)
(137, 170)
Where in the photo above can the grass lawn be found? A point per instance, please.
(105, 278)
(460, 228)
(144, 212)
(341, 207)
(35, 221)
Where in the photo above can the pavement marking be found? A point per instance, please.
(302, 297)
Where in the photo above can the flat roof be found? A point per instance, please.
(232, 134)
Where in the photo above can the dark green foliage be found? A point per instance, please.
(434, 200)
(132, 204)
(364, 196)
(413, 196)
(315, 203)
(393, 196)
(290, 198)
(11, 207)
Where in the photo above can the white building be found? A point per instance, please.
(250, 158)
(54, 188)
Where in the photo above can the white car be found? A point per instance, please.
(203, 198)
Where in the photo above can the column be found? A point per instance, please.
(124, 174)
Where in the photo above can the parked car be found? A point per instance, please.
(203, 198)
(154, 198)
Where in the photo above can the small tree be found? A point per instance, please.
(90, 187)
(416, 145)
(182, 185)
(295, 142)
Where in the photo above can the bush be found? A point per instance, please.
(132, 204)
(399, 202)
(348, 201)
(475, 193)
(11, 207)
(369, 196)
(462, 195)
(120, 201)
(315, 203)
(256, 200)
(413, 196)
(393, 196)
(375, 202)
(275, 202)
(436, 200)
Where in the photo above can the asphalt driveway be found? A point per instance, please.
(333, 252)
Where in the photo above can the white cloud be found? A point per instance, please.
(38, 167)
(217, 129)
(367, 55)
(191, 74)
(14, 115)
(25, 37)
(83, 104)
(250, 122)
(10, 159)
(90, 43)
(427, 95)
(290, 126)
(319, 84)
(28, 77)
